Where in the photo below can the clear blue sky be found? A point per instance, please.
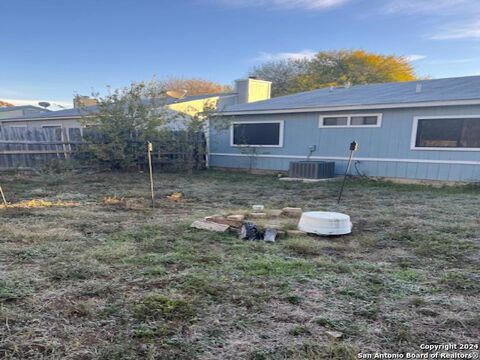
(52, 49)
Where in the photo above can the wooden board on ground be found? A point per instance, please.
(292, 211)
(209, 226)
(224, 221)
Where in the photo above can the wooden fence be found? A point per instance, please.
(32, 147)
(28, 147)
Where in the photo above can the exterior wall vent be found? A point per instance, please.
(312, 169)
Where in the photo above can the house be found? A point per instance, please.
(69, 121)
(20, 111)
(426, 129)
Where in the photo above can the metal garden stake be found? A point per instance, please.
(353, 148)
(149, 151)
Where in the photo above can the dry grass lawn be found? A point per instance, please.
(110, 278)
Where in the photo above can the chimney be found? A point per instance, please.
(252, 89)
(418, 88)
(83, 101)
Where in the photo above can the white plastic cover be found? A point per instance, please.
(325, 223)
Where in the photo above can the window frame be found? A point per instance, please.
(67, 131)
(349, 121)
(15, 126)
(53, 125)
(280, 135)
(413, 139)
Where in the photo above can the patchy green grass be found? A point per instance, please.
(159, 306)
(12, 289)
(462, 280)
(445, 245)
(125, 281)
(276, 266)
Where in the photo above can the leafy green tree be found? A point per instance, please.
(356, 67)
(125, 120)
(334, 68)
(117, 132)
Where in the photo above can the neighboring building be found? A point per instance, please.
(427, 129)
(69, 120)
(5, 104)
(20, 111)
(81, 101)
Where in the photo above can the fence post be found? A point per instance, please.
(149, 151)
(65, 143)
(3, 197)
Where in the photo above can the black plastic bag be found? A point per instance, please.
(249, 231)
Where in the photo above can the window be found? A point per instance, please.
(268, 134)
(335, 121)
(75, 134)
(354, 120)
(55, 131)
(363, 120)
(446, 133)
(17, 129)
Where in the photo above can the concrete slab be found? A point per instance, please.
(308, 180)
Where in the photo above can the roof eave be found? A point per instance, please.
(72, 117)
(352, 107)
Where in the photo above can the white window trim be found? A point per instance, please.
(413, 139)
(58, 126)
(52, 125)
(280, 140)
(349, 119)
(67, 131)
(16, 126)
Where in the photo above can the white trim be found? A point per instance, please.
(424, 161)
(349, 120)
(74, 117)
(226, 96)
(206, 130)
(67, 131)
(17, 126)
(353, 107)
(250, 79)
(43, 126)
(413, 136)
(280, 135)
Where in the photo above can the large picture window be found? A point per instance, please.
(446, 133)
(268, 134)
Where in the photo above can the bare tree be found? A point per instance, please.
(194, 86)
(5, 104)
(281, 73)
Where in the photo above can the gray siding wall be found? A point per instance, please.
(5, 114)
(11, 114)
(65, 123)
(384, 151)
